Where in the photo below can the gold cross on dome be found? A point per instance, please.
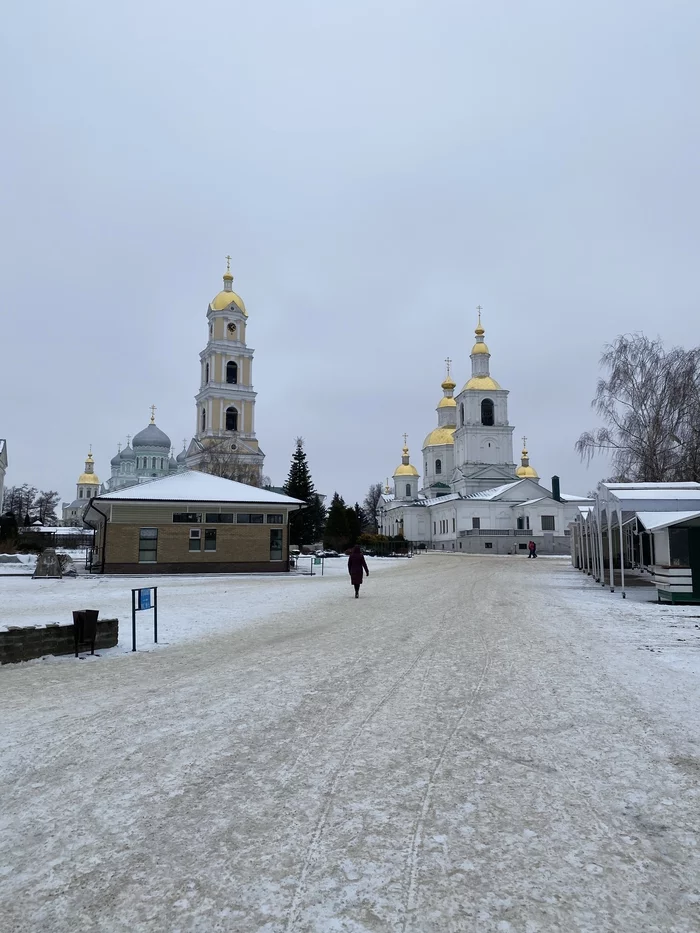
(524, 441)
(228, 263)
(479, 309)
(405, 439)
(153, 414)
(449, 363)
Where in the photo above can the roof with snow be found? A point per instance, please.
(193, 486)
(496, 491)
(654, 521)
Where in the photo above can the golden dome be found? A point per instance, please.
(447, 402)
(405, 469)
(484, 383)
(439, 436)
(224, 299)
(526, 472)
(88, 479)
(448, 384)
(480, 347)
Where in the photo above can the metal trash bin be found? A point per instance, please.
(85, 628)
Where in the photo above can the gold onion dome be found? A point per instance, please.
(88, 478)
(405, 468)
(439, 437)
(479, 346)
(447, 402)
(525, 471)
(483, 383)
(228, 296)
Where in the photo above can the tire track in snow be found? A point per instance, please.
(419, 825)
(312, 851)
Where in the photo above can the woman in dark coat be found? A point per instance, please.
(357, 564)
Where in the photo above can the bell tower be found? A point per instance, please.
(484, 439)
(224, 442)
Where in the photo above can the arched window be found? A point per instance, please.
(232, 373)
(206, 378)
(204, 419)
(153, 463)
(80, 494)
(408, 489)
(231, 419)
(438, 466)
(487, 412)
(161, 463)
(461, 413)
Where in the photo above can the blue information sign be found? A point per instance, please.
(144, 599)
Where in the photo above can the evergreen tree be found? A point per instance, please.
(305, 526)
(356, 521)
(337, 533)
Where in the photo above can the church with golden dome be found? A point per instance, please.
(474, 497)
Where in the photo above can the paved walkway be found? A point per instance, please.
(454, 751)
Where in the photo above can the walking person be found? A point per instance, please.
(532, 549)
(356, 565)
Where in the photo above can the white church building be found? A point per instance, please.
(474, 498)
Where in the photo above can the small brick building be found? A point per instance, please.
(191, 522)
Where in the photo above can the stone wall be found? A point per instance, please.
(34, 641)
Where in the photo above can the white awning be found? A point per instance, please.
(655, 521)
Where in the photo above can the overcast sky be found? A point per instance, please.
(376, 170)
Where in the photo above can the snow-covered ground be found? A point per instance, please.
(477, 744)
(189, 607)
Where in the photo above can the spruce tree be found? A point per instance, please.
(305, 526)
(337, 533)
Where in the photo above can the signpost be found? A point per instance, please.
(141, 599)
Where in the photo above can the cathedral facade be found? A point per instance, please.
(474, 497)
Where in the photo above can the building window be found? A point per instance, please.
(204, 420)
(522, 546)
(206, 377)
(210, 539)
(679, 547)
(461, 414)
(547, 523)
(476, 523)
(80, 493)
(231, 419)
(153, 463)
(232, 373)
(487, 412)
(275, 544)
(438, 466)
(454, 524)
(148, 545)
(195, 539)
(408, 489)
(434, 532)
(521, 524)
(275, 519)
(218, 518)
(188, 518)
(488, 545)
(252, 518)
(161, 463)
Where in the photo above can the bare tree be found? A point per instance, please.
(371, 506)
(219, 459)
(650, 403)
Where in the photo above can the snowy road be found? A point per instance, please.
(458, 750)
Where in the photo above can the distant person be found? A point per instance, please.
(356, 564)
(532, 549)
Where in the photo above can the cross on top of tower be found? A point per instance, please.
(524, 442)
(479, 310)
(184, 442)
(448, 362)
(228, 263)
(405, 439)
(153, 414)
(128, 439)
